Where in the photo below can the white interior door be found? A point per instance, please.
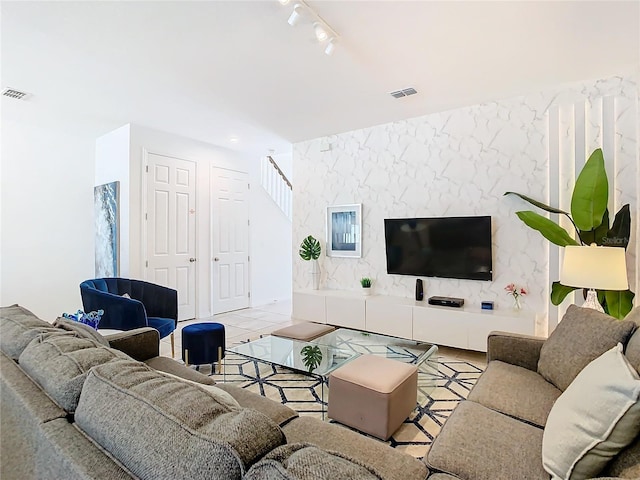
(171, 228)
(230, 238)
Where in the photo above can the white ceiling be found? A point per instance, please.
(210, 70)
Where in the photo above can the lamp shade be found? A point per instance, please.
(602, 268)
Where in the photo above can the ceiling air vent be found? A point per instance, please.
(13, 93)
(405, 92)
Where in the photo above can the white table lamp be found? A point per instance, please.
(594, 267)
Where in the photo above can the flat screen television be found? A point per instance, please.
(448, 247)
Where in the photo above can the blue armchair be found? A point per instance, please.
(150, 305)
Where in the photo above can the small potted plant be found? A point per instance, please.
(366, 285)
(310, 250)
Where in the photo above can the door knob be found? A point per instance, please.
(216, 259)
(192, 259)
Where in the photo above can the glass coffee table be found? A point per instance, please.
(315, 360)
(337, 348)
(423, 355)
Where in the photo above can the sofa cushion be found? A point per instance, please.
(18, 326)
(169, 365)
(275, 410)
(483, 444)
(24, 407)
(594, 419)
(634, 315)
(186, 431)
(515, 391)
(301, 461)
(64, 452)
(632, 351)
(218, 394)
(582, 336)
(21, 394)
(59, 363)
(81, 330)
(626, 464)
(390, 463)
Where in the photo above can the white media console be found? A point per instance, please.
(466, 327)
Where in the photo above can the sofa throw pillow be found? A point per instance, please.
(60, 362)
(582, 336)
(91, 319)
(594, 419)
(18, 326)
(301, 461)
(80, 329)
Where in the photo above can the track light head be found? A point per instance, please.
(325, 35)
(295, 15)
(320, 31)
(331, 46)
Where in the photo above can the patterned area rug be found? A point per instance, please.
(302, 393)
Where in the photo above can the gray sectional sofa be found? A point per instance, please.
(498, 432)
(76, 406)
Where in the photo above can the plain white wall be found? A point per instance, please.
(46, 213)
(269, 233)
(47, 217)
(112, 164)
(270, 242)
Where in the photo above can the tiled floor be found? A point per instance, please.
(239, 325)
(250, 323)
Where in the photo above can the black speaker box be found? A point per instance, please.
(419, 290)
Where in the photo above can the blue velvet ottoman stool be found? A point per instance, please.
(203, 343)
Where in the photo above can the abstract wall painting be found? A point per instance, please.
(106, 203)
(344, 231)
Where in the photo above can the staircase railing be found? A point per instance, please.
(277, 185)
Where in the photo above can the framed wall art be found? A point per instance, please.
(106, 203)
(344, 231)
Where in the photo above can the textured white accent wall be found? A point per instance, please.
(599, 114)
(46, 215)
(460, 162)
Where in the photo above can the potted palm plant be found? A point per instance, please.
(589, 217)
(310, 250)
